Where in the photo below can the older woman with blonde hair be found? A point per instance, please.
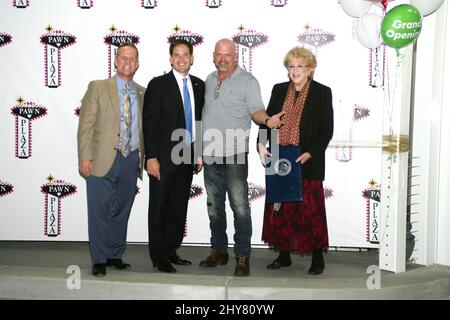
(300, 226)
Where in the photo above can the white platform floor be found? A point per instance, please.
(45, 270)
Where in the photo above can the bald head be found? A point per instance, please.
(225, 43)
(225, 57)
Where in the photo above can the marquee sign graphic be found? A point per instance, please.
(327, 192)
(360, 113)
(255, 192)
(278, 3)
(246, 41)
(149, 4)
(193, 38)
(54, 191)
(196, 191)
(5, 188)
(54, 41)
(377, 66)
(21, 4)
(25, 113)
(344, 153)
(213, 3)
(5, 39)
(315, 38)
(85, 4)
(113, 41)
(373, 211)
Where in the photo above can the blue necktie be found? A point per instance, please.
(187, 111)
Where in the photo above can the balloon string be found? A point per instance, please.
(391, 98)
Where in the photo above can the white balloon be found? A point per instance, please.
(427, 7)
(355, 8)
(368, 32)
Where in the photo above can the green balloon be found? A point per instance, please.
(401, 26)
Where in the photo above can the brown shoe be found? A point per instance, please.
(214, 259)
(242, 267)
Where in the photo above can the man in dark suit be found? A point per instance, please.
(173, 105)
(111, 157)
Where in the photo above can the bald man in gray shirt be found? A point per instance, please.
(232, 101)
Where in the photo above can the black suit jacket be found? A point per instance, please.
(316, 125)
(163, 113)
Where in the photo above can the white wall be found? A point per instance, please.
(343, 65)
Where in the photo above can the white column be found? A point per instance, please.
(430, 216)
(395, 161)
(443, 219)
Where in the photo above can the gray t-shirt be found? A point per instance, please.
(226, 118)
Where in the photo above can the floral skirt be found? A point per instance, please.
(298, 226)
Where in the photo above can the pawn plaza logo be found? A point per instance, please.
(5, 39)
(213, 4)
(314, 38)
(278, 3)
(377, 66)
(21, 4)
(149, 4)
(247, 41)
(113, 41)
(5, 188)
(327, 192)
(255, 192)
(54, 41)
(360, 113)
(192, 38)
(196, 191)
(85, 4)
(344, 153)
(373, 211)
(54, 191)
(25, 113)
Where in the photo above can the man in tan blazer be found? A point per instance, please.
(111, 157)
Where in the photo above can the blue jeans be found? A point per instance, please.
(231, 178)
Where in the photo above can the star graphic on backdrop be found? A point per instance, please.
(49, 28)
(112, 28)
(176, 28)
(307, 27)
(50, 178)
(20, 100)
(372, 183)
(241, 28)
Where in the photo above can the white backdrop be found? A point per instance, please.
(343, 65)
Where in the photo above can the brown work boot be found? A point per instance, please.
(214, 259)
(242, 267)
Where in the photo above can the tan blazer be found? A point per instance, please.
(99, 125)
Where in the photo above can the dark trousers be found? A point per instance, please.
(168, 202)
(110, 199)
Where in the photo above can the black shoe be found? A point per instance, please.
(164, 266)
(317, 263)
(117, 263)
(99, 269)
(175, 259)
(277, 264)
(315, 271)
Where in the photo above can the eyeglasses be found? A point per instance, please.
(301, 67)
(216, 90)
